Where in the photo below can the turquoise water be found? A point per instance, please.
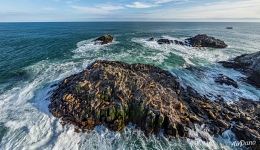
(36, 55)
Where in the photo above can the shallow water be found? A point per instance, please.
(34, 56)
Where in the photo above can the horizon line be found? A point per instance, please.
(151, 21)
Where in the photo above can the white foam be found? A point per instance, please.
(24, 109)
(204, 83)
(85, 47)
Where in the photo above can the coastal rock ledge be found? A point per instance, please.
(115, 94)
(249, 64)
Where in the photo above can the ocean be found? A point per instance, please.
(34, 56)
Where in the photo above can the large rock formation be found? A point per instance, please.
(105, 39)
(203, 40)
(115, 94)
(249, 64)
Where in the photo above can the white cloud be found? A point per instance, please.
(140, 5)
(98, 10)
(163, 1)
(216, 10)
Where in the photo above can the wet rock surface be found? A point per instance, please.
(105, 39)
(222, 79)
(203, 40)
(248, 64)
(164, 41)
(115, 94)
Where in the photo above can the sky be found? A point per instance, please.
(129, 10)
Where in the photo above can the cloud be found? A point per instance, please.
(98, 10)
(163, 1)
(140, 5)
(214, 10)
(153, 3)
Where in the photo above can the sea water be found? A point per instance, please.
(34, 56)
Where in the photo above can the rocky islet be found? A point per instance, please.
(115, 94)
(200, 40)
(105, 39)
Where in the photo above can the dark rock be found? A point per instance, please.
(254, 79)
(179, 42)
(249, 64)
(115, 94)
(222, 79)
(151, 39)
(105, 39)
(203, 40)
(250, 137)
(229, 28)
(164, 41)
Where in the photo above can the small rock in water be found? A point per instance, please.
(151, 39)
(105, 39)
(229, 28)
(222, 79)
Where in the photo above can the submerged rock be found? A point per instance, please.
(115, 94)
(105, 39)
(222, 79)
(203, 40)
(249, 64)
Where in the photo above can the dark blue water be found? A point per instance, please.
(35, 55)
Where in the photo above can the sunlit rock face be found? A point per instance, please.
(115, 94)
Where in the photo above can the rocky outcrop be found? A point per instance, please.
(222, 79)
(115, 94)
(248, 64)
(105, 39)
(203, 40)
